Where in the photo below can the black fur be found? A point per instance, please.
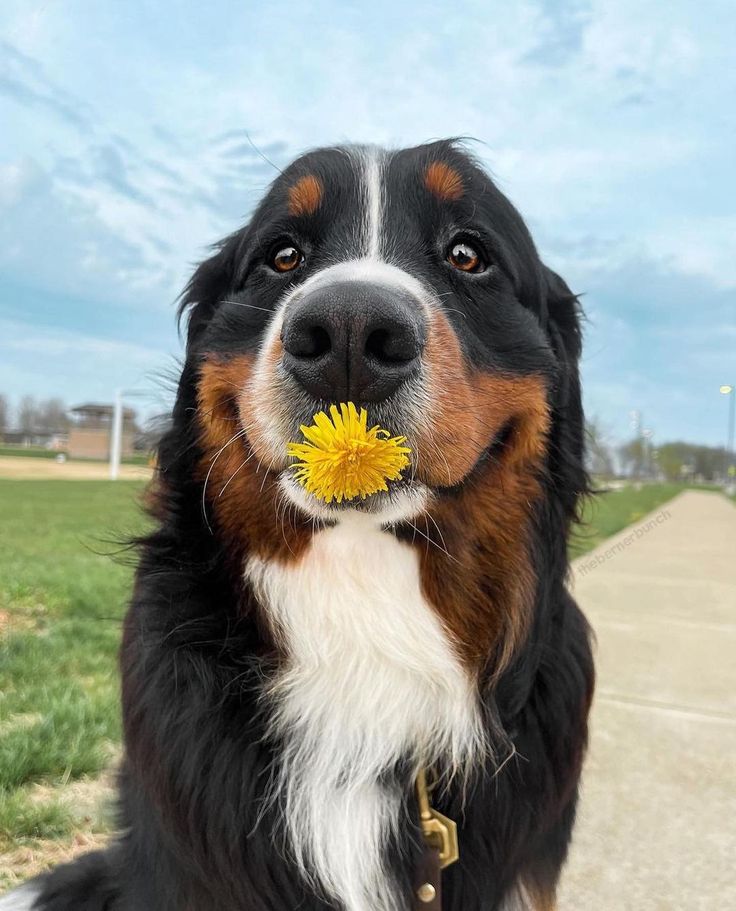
(196, 834)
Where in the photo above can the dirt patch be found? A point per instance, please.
(25, 469)
(26, 615)
(22, 863)
(91, 800)
(13, 722)
(84, 797)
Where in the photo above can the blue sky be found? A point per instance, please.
(124, 153)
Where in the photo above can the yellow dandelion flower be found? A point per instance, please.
(343, 459)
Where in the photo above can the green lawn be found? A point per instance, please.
(28, 452)
(605, 514)
(62, 597)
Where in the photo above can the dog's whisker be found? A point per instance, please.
(236, 472)
(239, 434)
(430, 540)
(267, 472)
(281, 506)
(439, 531)
(249, 306)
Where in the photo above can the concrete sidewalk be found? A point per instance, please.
(657, 822)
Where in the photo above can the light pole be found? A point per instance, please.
(116, 429)
(647, 445)
(728, 390)
(116, 437)
(639, 450)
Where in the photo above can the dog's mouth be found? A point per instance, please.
(405, 497)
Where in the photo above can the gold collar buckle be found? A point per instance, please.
(439, 831)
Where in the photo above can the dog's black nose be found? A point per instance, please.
(353, 341)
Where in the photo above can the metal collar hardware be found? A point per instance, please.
(439, 831)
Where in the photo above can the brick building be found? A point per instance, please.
(91, 428)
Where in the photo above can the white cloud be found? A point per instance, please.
(16, 179)
(45, 341)
(701, 246)
(627, 38)
(603, 120)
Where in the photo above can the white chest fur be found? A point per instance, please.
(370, 677)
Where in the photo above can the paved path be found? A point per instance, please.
(657, 823)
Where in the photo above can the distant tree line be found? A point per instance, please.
(641, 458)
(34, 416)
(679, 459)
(36, 420)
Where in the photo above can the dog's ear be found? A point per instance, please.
(568, 427)
(212, 280)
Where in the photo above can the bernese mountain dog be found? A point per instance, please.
(325, 704)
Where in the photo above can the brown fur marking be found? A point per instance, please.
(242, 493)
(305, 195)
(483, 586)
(444, 181)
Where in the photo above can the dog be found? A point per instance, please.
(318, 700)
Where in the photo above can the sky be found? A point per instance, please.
(134, 135)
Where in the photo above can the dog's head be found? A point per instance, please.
(407, 283)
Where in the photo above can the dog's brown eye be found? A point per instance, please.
(462, 256)
(287, 259)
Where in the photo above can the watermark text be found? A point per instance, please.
(632, 537)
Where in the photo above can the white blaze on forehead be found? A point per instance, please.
(372, 170)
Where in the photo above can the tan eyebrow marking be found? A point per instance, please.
(305, 195)
(444, 181)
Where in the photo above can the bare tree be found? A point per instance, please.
(4, 410)
(52, 416)
(600, 457)
(633, 455)
(27, 415)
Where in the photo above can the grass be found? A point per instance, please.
(40, 452)
(62, 598)
(28, 452)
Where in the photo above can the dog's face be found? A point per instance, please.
(401, 281)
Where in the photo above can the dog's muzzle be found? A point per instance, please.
(353, 341)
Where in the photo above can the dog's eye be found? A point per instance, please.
(287, 259)
(465, 258)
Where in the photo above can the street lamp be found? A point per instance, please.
(728, 389)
